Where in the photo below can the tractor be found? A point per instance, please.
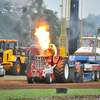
(48, 66)
(85, 61)
(13, 59)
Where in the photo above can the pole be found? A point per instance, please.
(29, 20)
(68, 13)
(81, 24)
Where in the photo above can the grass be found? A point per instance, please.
(37, 93)
(10, 77)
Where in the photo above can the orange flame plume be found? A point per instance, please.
(43, 37)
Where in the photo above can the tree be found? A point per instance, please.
(9, 18)
(91, 24)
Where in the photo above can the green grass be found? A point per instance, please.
(37, 93)
(10, 77)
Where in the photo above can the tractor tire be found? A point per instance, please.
(15, 70)
(93, 76)
(29, 79)
(71, 75)
(61, 72)
(1, 75)
(97, 76)
(7, 72)
(82, 78)
(48, 78)
(23, 69)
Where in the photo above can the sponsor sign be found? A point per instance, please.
(35, 74)
(95, 67)
(77, 66)
(77, 71)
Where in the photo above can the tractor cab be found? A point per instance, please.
(89, 42)
(8, 44)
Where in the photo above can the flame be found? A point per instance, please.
(43, 37)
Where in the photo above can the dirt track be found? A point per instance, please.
(20, 82)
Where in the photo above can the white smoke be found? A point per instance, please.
(19, 2)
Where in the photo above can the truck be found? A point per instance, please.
(13, 59)
(83, 65)
(86, 60)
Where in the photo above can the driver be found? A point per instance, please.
(8, 46)
(91, 43)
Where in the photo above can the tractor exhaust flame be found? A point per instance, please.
(43, 37)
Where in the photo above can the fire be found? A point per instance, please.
(43, 37)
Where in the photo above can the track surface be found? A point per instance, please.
(20, 82)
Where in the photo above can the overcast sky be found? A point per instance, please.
(89, 7)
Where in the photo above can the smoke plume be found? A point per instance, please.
(19, 2)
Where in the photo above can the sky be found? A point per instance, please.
(89, 7)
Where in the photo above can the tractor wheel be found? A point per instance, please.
(15, 70)
(23, 69)
(71, 75)
(93, 76)
(61, 71)
(29, 79)
(48, 78)
(97, 76)
(1, 75)
(82, 77)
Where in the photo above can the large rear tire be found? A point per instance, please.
(61, 72)
(15, 70)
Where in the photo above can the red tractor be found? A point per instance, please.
(48, 66)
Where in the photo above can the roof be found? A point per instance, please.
(91, 38)
(8, 40)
